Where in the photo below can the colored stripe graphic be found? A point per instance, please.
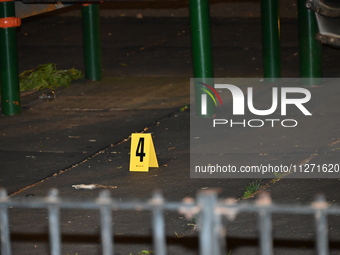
(214, 91)
(211, 95)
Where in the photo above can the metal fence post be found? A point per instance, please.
(271, 50)
(309, 47)
(209, 223)
(321, 226)
(4, 226)
(265, 224)
(106, 222)
(201, 50)
(9, 70)
(91, 42)
(54, 222)
(158, 227)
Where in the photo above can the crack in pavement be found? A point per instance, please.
(268, 184)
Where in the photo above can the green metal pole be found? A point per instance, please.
(201, 53)
(9, 70)
(310, 48)
(271, 38)
(91, 42)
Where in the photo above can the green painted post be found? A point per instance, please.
(310, 48)
(91, 42)
(201, 51)
(9, 69)
(271, 38)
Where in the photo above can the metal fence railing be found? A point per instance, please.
(207, 209)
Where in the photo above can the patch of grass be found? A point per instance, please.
(279, 175)
(192, 222)
(47, 76)
(179, 235)
(144, 252)
(251, 188)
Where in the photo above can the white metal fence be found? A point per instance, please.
(206, 208)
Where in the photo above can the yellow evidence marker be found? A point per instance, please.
(142, 153)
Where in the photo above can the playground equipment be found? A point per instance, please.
(328, 19)
(310, 49)
(9, 76)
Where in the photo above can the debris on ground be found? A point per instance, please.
(92, 186)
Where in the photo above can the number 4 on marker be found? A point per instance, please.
(142, 153)
(140, 149)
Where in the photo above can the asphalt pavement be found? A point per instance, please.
(83, 135)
